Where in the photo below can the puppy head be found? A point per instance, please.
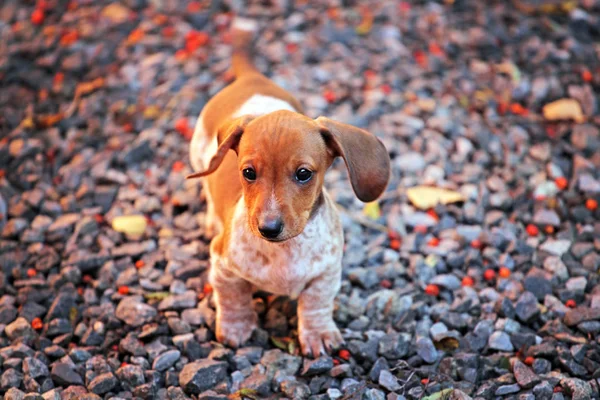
(282, 159)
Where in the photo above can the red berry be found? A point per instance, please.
(424, 381)
(529, 360)
(123, 290)
(489, 275)
(571, 303)
(140, 264)
(37, 16)
(194, 7)
(291, 48)
(336, 361)
(433, 242)
(124, 364)
(518, 109)
(178, 166)
(432, 290)
(386, 284)
(433, 214)
(207, 289)
(504, 272)
(37, 324)
(532, 230)
(561, 182)
(587, 76)
(31, 272)
(591, 204)
(468, 281)
(99, 218)
(476, 244)
(329, 96)
(344, 354)
(59, 77)
(386, 89)
(395, 244)
(549, 229)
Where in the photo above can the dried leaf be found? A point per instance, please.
(372, 210)
(245, 394)
(441, 395)
(292, 348)
(130, 224)
(447, 344)
(116, 12)
(431, 260)
(157, 295)
(564, 109)
(73, 315)
(47, 121)
(426, 197)
(279, 343)
(511, 70)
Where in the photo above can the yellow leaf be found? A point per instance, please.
(426, 197)
(73, 315)
(431, 260)
(279, 343)
(372, 210)
(116, 13)
(130, 224)
(157, 295)
(564, 109)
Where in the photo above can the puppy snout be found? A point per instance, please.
(270, 228)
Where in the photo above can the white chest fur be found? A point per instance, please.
(286, 268)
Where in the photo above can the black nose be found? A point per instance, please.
(270, 228)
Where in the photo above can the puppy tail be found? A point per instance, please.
(243, 33)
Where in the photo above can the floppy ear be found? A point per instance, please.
(365, 156)
(228, 137)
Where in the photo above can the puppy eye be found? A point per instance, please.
(249, 174)
(303, 175)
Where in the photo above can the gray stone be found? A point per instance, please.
(388, 381)
(202, 375)
(500, 341)
(426, 350)
(103, 383)
(134, 312)
(526, 378)
(166, 360)
(315, 367)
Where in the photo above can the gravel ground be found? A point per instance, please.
(492, 294)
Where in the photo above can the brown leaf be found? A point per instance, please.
(447, 344)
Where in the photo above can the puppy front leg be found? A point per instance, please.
(316, 330)
(236, 319)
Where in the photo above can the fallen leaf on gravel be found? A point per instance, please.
(130, 224)
(157, 295)
(564, 109)
(116, 13)
(441, 395)
(372, 210)
(447, 344)
(279, 343)
(511, 70)
(426, 197)
(245, 394)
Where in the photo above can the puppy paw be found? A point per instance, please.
(317, 342)
(235, 333)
